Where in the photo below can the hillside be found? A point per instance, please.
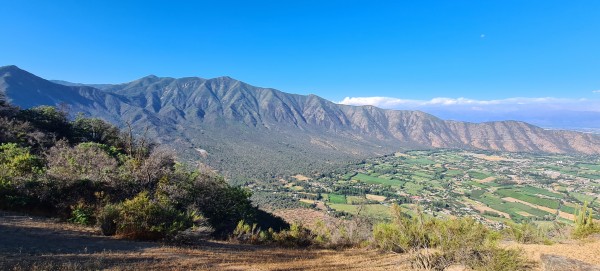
(249, 131)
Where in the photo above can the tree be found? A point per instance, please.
(96, 130)
(49, 119)
(5, 108)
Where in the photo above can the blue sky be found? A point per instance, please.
(414, 50)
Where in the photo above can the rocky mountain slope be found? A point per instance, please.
(251, 131)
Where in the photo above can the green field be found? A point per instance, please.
(590, 166)
(355, 200)
(441, 178)
(511, 208)
(375, 180)
(453, 173)
(336, 198)
(582, 197)
(534, 190)
(413, 188)
(517, 194)
(478, 175)
(419, 161)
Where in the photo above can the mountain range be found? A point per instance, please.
(250, 132)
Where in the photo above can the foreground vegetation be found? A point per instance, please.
(89, 172)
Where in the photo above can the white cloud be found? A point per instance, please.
(596, 91)
(509, 104)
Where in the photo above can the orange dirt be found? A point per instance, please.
(586, 251)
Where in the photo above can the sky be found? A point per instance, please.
(430, 55)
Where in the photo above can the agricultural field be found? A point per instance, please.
(493, 188)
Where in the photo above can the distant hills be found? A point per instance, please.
(251, 132)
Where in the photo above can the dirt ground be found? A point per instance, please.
(32, 243)
(29, 243)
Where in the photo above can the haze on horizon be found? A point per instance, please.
(535, 61)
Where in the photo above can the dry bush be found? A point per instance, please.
(86, 161)
(530, 233)
(456, 241)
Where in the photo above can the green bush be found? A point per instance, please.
(17, 162)
(107, 219)
(143, 218)
(82, 214)
(584, 222)
(296, 236)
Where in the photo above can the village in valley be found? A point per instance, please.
(493, 188)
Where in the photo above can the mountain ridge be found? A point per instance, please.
(215, 114)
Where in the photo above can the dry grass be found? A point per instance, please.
(30, 243)
(306, 217)
(587, 251)
(487, 180)
(376, 197)
(42, 244)
(301, 177)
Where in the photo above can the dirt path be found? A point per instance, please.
(28, 243)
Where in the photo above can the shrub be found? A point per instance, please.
(221, 204)
(246, 233)
(86, 161)
(527, 233)
(143, 218)
(584, 222)
(82, 214)
(107, 219)
(295, 236)
(17, 162)
(497, 259)
(456, 241)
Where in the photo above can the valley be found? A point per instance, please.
(492, 187)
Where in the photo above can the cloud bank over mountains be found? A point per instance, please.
(509, 104)
(544, 111)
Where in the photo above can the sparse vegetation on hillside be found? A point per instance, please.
(437, 244)
(87, 171)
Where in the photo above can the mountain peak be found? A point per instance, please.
(225, 79)
(12, 69)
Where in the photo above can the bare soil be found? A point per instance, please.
(33, 243)
(30, 243)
